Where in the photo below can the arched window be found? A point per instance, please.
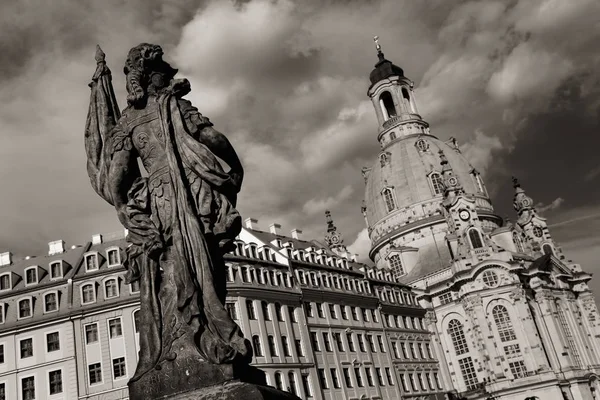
(406, 100)
(396, 265)
(265, 310)
(517, 241)
(503, 323)
(455, 330)
(436, 183)
(88, 294)
(475, 238)
(393, 136)
(50, 302)
(113, 257)
(387, 105)
(388, 196)
(25, 308)
(572, 346)
(547, 249)
(292, 378)
(91, 262)
(257, 346)
(278, 381)
(278, 312)
(110, 289)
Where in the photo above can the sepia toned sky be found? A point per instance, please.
(516, 82)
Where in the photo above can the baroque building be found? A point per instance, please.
(322, 325)
(511, 317)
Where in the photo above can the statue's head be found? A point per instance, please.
(146, 72)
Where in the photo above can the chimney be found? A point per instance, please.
(56, 247)
(6, 258)
(97, 239)
(251, 223)
(274, 228)
(296, 233)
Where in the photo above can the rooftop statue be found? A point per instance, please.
(181, 219)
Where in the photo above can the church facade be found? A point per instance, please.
(511, 317)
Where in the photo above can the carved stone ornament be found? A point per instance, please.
(181, 219)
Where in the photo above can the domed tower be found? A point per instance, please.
(405, 187)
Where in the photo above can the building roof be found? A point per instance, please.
(432, 258)
(384, 69)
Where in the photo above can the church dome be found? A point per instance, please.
(405, 183)
(384, 69)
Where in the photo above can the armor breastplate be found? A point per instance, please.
(146, 135)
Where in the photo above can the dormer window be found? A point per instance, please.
(5, 282)
(388, 197)
(25, 309)
(31, 276)
(475, 238)
(88, 293)
(384, 158)
(422, 145)
(436, 183)
(91, 262)
(111, 288)
(51, 302)
(113, 257)
(56, 270)
(253, 252)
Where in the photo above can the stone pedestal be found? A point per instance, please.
(235, 390)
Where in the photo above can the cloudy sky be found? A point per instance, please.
(516, 82)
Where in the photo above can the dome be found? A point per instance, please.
(405, 166)
(384, 69)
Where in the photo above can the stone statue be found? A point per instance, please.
(181, 219)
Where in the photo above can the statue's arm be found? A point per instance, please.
(222, 148)
(122, 173)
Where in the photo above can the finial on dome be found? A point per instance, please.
(333, 238)
(378, 47)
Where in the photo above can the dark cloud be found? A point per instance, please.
(514, 82)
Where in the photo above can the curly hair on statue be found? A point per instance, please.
(145, 66)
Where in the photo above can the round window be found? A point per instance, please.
(490, 278)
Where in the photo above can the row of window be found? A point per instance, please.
(262, 276)
(115, 329)
(412, 351)
(26, 346)
(366, 313)
(348, 343)
(355, 377)
(119, 370)
(111, 290)
(32, 275)
(28, 391)
(329, 280)
(436, 183)
(384, 274)
(505, 333)
(292, 385)
(403, 322)
(266, 311)
(25, 306)
(93, 260)
(425, 382)
(273, 348)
